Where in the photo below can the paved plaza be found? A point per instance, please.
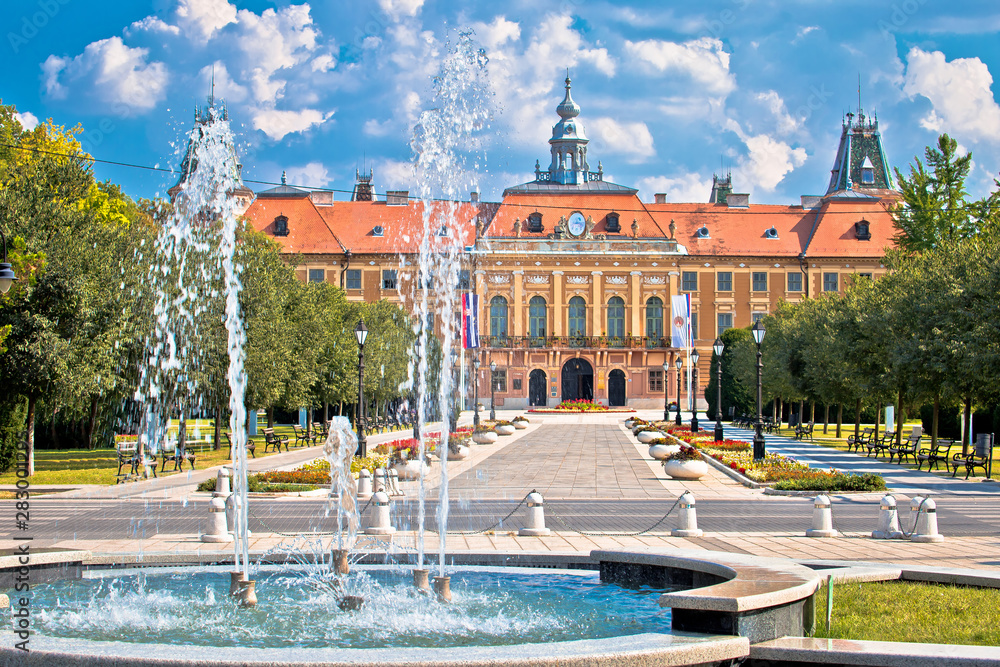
(601, 489)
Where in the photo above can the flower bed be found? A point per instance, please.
(581, 405)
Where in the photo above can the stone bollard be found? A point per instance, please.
(222, 484)
(379, 480)
(822, 518)
(688, 520)
(392, 485)
(927, 528)
(365, 485)
(888, 520)
(535, 516)
(380, 523)
(218, 531)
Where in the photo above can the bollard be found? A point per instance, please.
(222, 484)
(392, 485)
(535, 516)
(379, 480)
(688, 520)
(927, 528)
(888, 520)
(380, 524)
(822, 518)
(218, 531)
(364, 485)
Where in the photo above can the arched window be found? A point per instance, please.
(577, 316)
(536, 317)
(498, 317)
(654, 318)
(616, 317)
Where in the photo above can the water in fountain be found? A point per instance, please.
(339, 450)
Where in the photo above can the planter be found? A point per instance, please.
(629, 423)
(660, 452)
(505, 429)
(520, 425)
(484, 438)
(410, 469)
(646, 437)
(685, 469)
(458, 453)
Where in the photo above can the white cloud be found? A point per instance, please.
(685, 188)
(704, 60)
(768, 161)
(28, 120)
(785, 121)
(273, 41)
(497, 33)
(803, 32)
(152, 24)
(395, 174)
(225, 87)
(276, 123)
(324, 63)
(112, 72)
(201, 19)
(959, 92)
(633, 140)
(311, 175)
(397, 9)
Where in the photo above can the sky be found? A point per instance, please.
(671, 93)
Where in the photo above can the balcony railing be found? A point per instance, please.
(590, 342)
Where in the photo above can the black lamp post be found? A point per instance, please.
(694, 391)
(679, 364)
(493, 391)
(6, 271)
(666, 396)
(758, 437)
(718, 348)
(475, 382)
(361, 332)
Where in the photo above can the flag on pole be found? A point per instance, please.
(470, 321)
(680, 327)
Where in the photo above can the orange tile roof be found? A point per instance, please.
(307, 232)
(553, 207)
(835, 234)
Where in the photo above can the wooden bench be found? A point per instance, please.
(251, 445)
(171, 453)
(881, 444)
(302, 436)
(862, 440)
(980, 457)
(935, 454)
(804, 430)
(907, 447)
(274, 441)
(131, 454)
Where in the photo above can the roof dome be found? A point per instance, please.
(568, 108)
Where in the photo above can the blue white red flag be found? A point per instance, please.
(680, 321)
(470, 321)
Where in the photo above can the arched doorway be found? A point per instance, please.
(616, 388)
(577, 380)
(536, 387)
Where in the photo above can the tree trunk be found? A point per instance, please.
(934, 419)
(270, 416)
(878, 419)
(52, 424)
(802, 409)
(217, 438)
(899, 418)
(812, 411)
(326, 412)
(967, 431)
(857, 419)
(340, 408)
(91, 421)
(181, 430)
(30, 436)
(840, 418)
(826, 418)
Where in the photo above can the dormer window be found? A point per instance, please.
(862, 231)
(867, 172)
(771, 233)
(613, 225)
(443, 231)
(377, 230)
(281, 226)
(703, 232)
(535, 222)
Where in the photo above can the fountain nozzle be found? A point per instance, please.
(442, 586)
(420, 580)
(350, 602)
(341, 563)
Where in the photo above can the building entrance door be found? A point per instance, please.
(536, 387)
(616, 388)
(577, 380)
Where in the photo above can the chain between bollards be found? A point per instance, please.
(603, 534)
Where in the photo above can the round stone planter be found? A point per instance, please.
(505, 429)
(660, 452)
(410, 469)
(520, 425)
(646, 437)
(458, 453)
(685, 469)
(629, 423)
(484, 438)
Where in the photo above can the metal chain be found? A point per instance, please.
(489, 528)
(278, 532)
(602, 534)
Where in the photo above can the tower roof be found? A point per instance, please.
(861, 163)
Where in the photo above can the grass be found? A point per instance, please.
(901, 611)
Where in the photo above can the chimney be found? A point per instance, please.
(811, 201)
(397, 197)
(321, 197)
(660, 198)
(738, 201)
(474, 197)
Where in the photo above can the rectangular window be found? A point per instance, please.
(865, 275)
(316, 275)
(759, 281)
(694, 326)
(689, 281)
(725, 322)
(500, 380)
(725, 281)
(830, 282)
(430, 322)
(755, 317)
(794, 281)
(655, 381)
(463, 279)
(389, 279)
(353, 278)
(516, 384)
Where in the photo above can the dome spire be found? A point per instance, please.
(568, 108)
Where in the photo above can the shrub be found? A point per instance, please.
(685, 454)
(520, 418)
(833, 481)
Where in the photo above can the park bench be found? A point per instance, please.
(302, 436)
(251, 445)
(861, 440)
(321, 429)
(935, 454)
(804, 430)
(880, 444)
(907, 447)
(131, 454)
(274, 441)
(980, 457)
(171, 453)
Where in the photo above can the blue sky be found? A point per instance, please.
(670, 91)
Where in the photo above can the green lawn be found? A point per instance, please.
(900, 611)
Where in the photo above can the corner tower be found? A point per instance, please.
(861, 164)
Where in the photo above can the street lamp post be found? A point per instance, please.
(718, 348)
(475, 382)
(361, 333)
(7, 276)
(666, 394)
(493, 391)
(679, 364)
(759, 449)
(694, 391)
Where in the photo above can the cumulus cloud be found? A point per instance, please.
(276, 124)
(111, 71)
(395, 174)
(398, 9)
(201, 19)
(959, 91)
(704, 60)
(225, 87)
(28, 120)
(497, 33)
(785, 121)
(685, 188)
(633, 140)
(272, 41)
(768, 161)
(311, 175)
(152, 24)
